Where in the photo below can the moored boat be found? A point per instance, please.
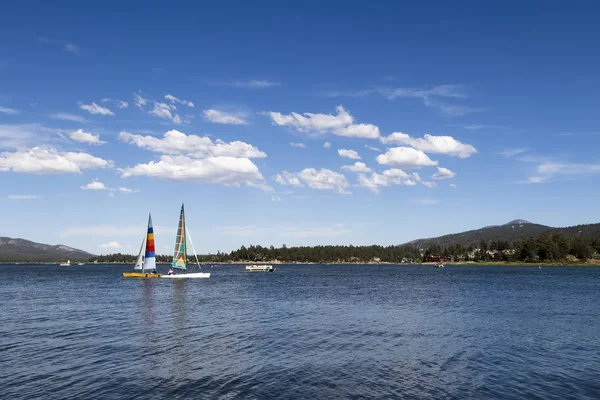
(66, 264)
(260, 268)
(146, 259)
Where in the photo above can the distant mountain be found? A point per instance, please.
(512, 231)
(25, 250)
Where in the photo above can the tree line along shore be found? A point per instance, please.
(556, 248)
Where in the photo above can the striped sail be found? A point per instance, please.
(150, 260)
(179, 257)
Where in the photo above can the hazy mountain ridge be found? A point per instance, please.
(512, 231)
(14, 249)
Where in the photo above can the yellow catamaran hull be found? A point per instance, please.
(140, 275)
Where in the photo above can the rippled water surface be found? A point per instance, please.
(305, 331)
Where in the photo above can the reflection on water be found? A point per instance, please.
(302, 332)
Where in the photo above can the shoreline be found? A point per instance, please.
(589, 263)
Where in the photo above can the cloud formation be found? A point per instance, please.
(48, 160)
(176, 142)
(341, 124)
(443, 173)
(323, 179)
(230, 171)
(174, 100)
(432, 144)
(405, 157)
(358, 167)
(164, 110)
(394, 176)
(86, 137)
(223, 117)
(96, 109)
(95, 185)
(347, 153)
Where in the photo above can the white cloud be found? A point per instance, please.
(288, 178)
(176, 142)
(255, 84)
(86, 137)
(300, 145)
(327, 145)
(106, 99)
(452, 185)
(47, 160)
(164, 110)
(275, 198)
(96, 109)
(69, 117)
(323, 179)
(430, 185)
(373, 148)
(95, 185)
(229, 171)
(127, 190)
(405, 157)
(111, 245)
(122, 104)
(23, 197)
(111, 194)
(9, 111)
(443, 173)
(223, 117)
(174, 99)
(346, 153)
(433, 144)
(358, 167)
(139, 101)
(389, 177)
(341, 124)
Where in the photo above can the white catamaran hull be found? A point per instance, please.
(188, 276)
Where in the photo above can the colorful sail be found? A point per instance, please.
(150, 261)
(179, 257)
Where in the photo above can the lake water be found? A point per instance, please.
(305, 331)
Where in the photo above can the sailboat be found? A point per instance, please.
(180, 255)
(146, 259)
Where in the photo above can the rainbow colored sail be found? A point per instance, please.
(150, 258)
(179, 257)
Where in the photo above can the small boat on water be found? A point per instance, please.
(180, 255)
(440, 265)
(146, 259)
(80, 264)
(66, 264)
(259, 268)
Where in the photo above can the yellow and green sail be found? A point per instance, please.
(179, 258)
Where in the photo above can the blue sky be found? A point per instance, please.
(463, 115)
